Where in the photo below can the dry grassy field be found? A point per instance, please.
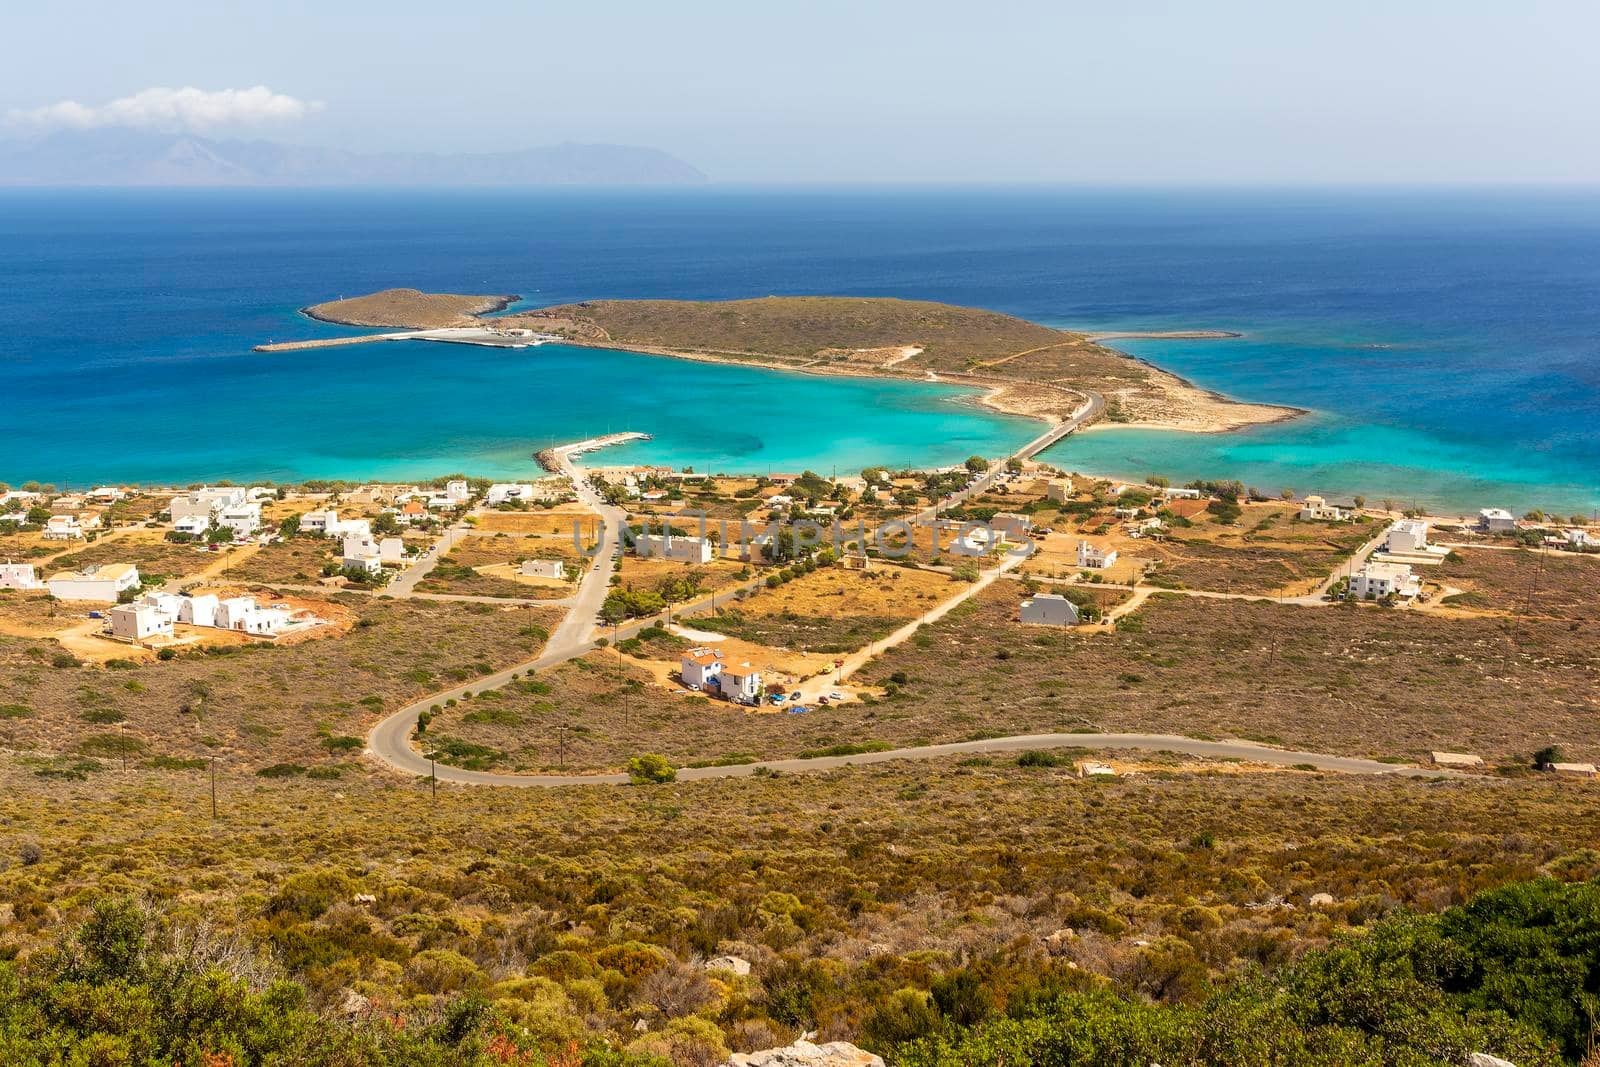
(833, 610)
(1365, 682)
(1527, 582)
(256, 704)
(466, 569)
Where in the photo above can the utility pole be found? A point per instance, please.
(433, 776)
(213, 787)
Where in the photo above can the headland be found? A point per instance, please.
(1023, 368)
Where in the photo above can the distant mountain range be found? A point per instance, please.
(129, 157)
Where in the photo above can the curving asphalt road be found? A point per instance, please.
(1232, 750)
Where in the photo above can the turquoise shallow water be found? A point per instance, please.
(413, 409)
(1449, 340)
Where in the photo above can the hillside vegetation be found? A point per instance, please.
(983, 906)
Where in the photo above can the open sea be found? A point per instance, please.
(1448, 343)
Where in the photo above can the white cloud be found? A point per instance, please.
(174, 109)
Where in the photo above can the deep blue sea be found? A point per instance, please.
(1448, 343)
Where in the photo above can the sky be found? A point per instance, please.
(825, 91)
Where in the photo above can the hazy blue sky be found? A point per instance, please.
(825, 90)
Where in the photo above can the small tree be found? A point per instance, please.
(651, 769)
(977, 464)
(1547, 757)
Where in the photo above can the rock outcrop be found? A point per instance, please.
(805, 1054)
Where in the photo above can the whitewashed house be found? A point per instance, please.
(699, 668)
(543, 568)
(392, 550)
(1496, 520)
(1049, 609)
(169, 604)
(192, 525)
(1407, 535)
(1581, 539)
(105, 583)
(205, 502)
(674, 547)
(1094, 558)
(243, 614)
(1316, 509)
(19, 576)
(316, 522)
(362, 553)
(741, 684)
(328, 524)
(137, 622)
(1058, 490)
(1173, 492)
(243, 519)
(199, 610)
(106, 494)
(63, 528)
(1374, 581)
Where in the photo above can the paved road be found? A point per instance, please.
(406, 582)
(1234, 750)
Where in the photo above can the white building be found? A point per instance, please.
(243, 519)
(136, 622)
(362, 553)
(19, 576)
(328, 524)
(700, 668)
(1407, 535)
(105, 583)
(457, 491)
(169, 604)
(741, 684)
(106, 494)
(1581, 539)
(62, 528)
(506, 492)
(1374, 581)
(1496, 520)
(392, 550)
(1180, 493)
(670, 546)
(1058, 490)
(1049, 609)
(1316, 509)
(317, 521)
(242, 613)
(193, 525)
(199, 610)
(205, 502)
(543, 568)
(1094, 558)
